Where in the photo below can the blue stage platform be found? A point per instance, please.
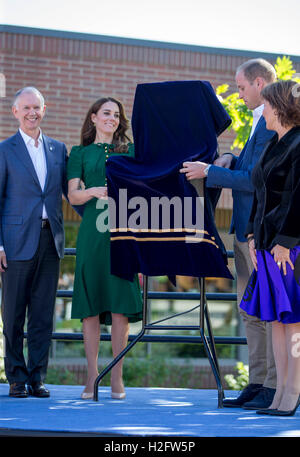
(146, 412)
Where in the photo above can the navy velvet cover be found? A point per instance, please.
(172, 122)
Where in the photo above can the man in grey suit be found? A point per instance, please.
(32, 180)
(232, 172)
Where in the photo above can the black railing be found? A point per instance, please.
(209, 341)
(218, 296)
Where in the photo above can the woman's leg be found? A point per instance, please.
(281, 360)
(119, 339)
(91, 335)
(292, 387)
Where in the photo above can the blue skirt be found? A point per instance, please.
(270, 295)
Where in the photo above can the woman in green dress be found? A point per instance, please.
(98, 296)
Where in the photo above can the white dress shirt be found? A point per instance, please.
(37, 155)
(257, 112)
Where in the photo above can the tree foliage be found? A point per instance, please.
(241, 116)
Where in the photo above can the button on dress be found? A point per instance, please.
(96, 291)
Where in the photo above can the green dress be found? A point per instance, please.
(96, 291)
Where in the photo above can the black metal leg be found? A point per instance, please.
(114, 362)
(209, 345)
(129, 346)
(211, 337)
(214, 368)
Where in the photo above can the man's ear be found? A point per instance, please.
(260, 82)
(14, 110)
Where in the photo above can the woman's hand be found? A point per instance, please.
(97, 192)
(282, 257)
(3, 262)
(252, 252)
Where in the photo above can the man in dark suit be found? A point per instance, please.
(32, 179)
(230, 171)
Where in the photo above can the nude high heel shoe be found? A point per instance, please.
(87, 395)
(117, 396)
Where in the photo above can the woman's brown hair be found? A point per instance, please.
(88, 130)
(284, 97)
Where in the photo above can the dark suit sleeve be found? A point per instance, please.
(250, 225)
(64, 178)
(289, 234)
(239, 179)
(2, 189)
(230, 179)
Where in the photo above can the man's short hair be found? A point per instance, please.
(258, 68)
(27, 90)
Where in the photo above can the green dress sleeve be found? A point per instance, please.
(131, 152)
(74, 166)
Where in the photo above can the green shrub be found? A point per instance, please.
(241, 381)
(60, 376)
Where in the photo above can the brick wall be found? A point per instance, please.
(72, 73)
(72, 70)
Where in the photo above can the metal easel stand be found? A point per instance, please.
(208, 342)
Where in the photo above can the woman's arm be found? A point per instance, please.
(289, 233)
(79, 196)
(250, 225)
(252, 250)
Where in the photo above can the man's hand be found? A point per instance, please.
(194, 170)
(224, 161)
(3, 262)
